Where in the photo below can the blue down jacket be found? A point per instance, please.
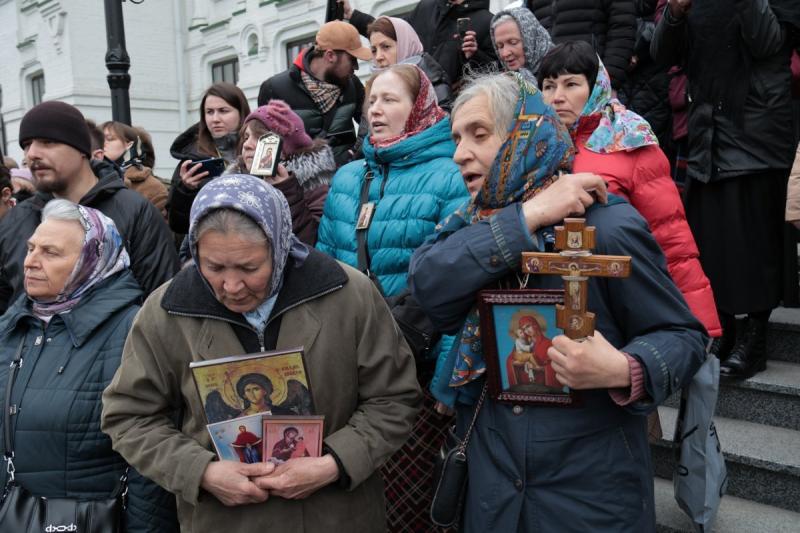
(60, 450)
(562, 469)
(415, 185)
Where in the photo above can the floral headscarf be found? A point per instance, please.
(424, 114)
(102, 255)
(537, 148)
(261, 202)
(619, 129)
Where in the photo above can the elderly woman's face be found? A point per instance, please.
(53, 251)
(249, 143)
(476, 141)
(508, 41)
(238, 270)
(390, 105)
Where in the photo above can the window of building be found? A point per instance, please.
(294, 47)
(227, 70)
(37, 88)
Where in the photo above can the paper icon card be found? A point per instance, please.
(287, 437)
(238, 439)
(267, 155)
(267, 383)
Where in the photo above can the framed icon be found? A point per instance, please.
(517, 328)
(267, 155)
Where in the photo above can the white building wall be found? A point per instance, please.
(172, 45)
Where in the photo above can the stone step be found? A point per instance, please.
(735, 515)
(771, 397)
(763, 461)
(783, 337)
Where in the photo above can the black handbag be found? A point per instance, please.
(450, 474)
(23, 512)
(419, 332)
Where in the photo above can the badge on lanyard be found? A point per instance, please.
(365, 215)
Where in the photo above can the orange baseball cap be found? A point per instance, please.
(339, 35)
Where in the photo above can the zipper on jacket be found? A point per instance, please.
(260, 335)
(248, 326)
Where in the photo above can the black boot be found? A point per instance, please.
(749, 355)
(721, 346)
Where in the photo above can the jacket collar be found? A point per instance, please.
(189, 295)
(94, 309)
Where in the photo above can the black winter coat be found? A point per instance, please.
(718, 148)
(435, 23)
(646, 89)
(146, 236)
(340, 133)
(608, 25)
(181, 197)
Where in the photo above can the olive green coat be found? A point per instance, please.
(362, 377)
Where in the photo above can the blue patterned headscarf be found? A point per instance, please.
(102, 255)
(261, 202)
(538, 147)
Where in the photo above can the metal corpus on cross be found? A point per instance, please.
(576, 263)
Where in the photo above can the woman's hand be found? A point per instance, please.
(569, 195)
(299, 478)
(230, 482)
(591, 364)
(190, 177)
(470, 44)
(347, 9)
(281, 175)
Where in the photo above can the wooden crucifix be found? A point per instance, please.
(576, 263)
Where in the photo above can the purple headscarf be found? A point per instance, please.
(103, 254)
(261, 202)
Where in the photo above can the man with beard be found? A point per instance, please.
(322, 89)
(57, 146)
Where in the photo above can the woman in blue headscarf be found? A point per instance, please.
(535, 467)
(255, 287)
(68, 329)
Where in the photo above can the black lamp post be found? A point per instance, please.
(117, 61)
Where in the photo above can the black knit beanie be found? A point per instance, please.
(56, 121)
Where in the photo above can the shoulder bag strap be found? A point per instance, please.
(462, 448)
(361, 234)
(8, 436)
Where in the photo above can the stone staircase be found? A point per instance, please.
(758, 422)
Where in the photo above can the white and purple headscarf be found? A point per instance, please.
(103, 254)
(261, 202)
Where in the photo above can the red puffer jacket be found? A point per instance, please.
(643, 178)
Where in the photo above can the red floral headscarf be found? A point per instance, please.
(424, 113)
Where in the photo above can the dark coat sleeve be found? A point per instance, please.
(153, 257)
(620, 38)
(656, 325)
(304, 226)
(475, 255)
(360, 21)
(180, 204)
(670, 40)
(762, 34)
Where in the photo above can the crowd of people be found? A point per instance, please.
(671, 127)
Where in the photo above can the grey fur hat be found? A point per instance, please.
(536, 41)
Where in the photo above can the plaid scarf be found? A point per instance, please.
(324, 94)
